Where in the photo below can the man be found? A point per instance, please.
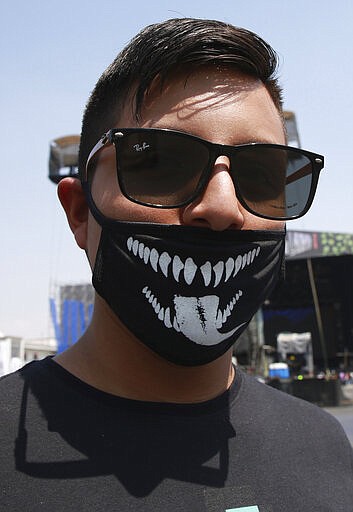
(185, 184)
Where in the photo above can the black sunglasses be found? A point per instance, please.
(169, 169)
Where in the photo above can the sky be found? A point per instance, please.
(52, 54)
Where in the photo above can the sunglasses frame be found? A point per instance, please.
(115, 135)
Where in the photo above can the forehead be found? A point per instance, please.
(211, 102)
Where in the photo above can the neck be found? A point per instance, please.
(111, 359)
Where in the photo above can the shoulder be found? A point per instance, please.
(12, 383)
(289, 415)
(279, 423)
(28, 371)
(15, 385)
(276, 399)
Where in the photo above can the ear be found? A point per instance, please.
(74, 203)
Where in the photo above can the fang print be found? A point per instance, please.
(200, 319)
(205, 309)
(212, 276)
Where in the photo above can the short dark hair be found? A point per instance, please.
(163, 48)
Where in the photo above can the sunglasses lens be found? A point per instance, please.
(160, 168)
(169, 169)
(271, 181)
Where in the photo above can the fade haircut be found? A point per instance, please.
(162, 49)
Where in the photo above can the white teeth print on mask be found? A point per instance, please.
(206, 272)
(187, 308)
(164, 261)
(177, 267)
(198, 318)
(174, 266)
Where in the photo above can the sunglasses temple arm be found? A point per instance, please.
(100, 144)
(299, 174)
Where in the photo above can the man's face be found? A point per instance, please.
(219, 105)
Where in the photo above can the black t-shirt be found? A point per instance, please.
(66, 446)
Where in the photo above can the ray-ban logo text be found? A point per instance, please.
(142, 147)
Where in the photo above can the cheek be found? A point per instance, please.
(105, 188)
(252, 222)
(111, 202)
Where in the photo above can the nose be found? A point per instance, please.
(217, 208)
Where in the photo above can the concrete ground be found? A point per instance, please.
(344, 414)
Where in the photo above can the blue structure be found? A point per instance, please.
(70, 316)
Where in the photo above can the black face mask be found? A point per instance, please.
(187, 293)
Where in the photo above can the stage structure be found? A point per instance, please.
(71, 308)
(296, 350)
(63, 157)
(316, 297)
